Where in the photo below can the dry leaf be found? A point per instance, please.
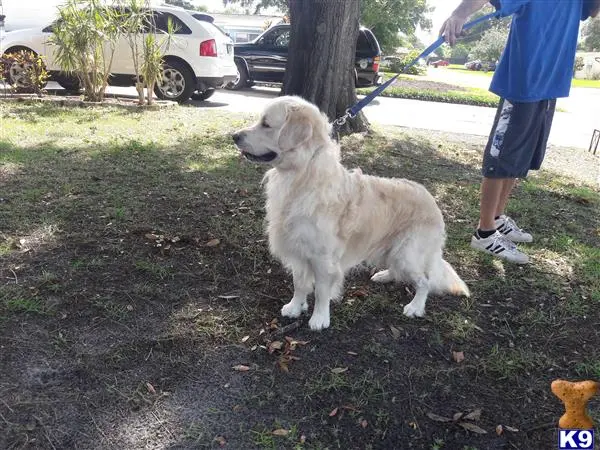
(228, 297)
(413, 425)
(333, 412)
(213, 243)
(220, 440)
(499, 430)
(437, 418)
(339, 370)
(352, 353)
(237, 408)
(283, 365)
(511, 429)
(150, 388)
(458, 356)
(364, 423)
(474, 415)
(456, 417)
(395, 332)
(302, 439)
(472, 427)
(241, 368)
(275, 345)
(245, 338)
(280, 432)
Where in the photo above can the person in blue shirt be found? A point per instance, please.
(535, 69)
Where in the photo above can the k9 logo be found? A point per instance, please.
(575, 439)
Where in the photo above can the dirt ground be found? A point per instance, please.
(139, 305)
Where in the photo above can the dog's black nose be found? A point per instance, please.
(237, 137)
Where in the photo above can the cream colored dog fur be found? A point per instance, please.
(324, 220)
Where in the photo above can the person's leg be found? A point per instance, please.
(491, 196)
(508, 185)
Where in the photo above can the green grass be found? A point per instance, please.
(472, 96)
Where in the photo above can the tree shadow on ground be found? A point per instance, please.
(122, 316)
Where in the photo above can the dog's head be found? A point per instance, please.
(288, 133)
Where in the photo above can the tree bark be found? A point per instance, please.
(321, 57)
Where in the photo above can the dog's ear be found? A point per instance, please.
(296, 131)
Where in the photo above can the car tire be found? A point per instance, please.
(15, 73)
(203, 95)
(242, 79)
(177, 82)
(68, 82)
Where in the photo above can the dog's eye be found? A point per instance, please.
(265, 124)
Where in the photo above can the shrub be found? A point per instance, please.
(84, 29)
(400, 65)
(26, 70)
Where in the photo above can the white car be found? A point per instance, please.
(198, 60)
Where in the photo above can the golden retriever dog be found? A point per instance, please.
(322, 219)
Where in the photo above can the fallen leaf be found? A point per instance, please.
(339, 370)
(302, 439)
(245, 338)
(220, 440)
(437, 418)
(151, 236)
(474, 415)
(395, 332)
(283, 366)
(351, 408)
(511, 429)
(458, 356)
(499, 430)
(333, 412)
(359, 293)
(413, 425)
(457, 416)
(364, 423)
(280, 432)
(241, 368)
(150, 388)
(237, 408)
(275, 345)
(213, 242)
(228, 297)
(472, 427)
(352, 353)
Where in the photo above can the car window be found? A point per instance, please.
(279, 38)
(363, 43)
(161, 22)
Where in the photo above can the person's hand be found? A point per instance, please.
(452, 28)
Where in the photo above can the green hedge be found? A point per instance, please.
(475, 98)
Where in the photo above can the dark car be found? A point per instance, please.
(264, 59)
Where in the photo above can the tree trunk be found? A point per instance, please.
(321, 57)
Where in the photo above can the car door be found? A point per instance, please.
(269, 57)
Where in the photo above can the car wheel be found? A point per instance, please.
(68, 82)
(241, 79)
(204, 95)
(177, 82)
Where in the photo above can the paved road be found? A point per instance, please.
(571, 129)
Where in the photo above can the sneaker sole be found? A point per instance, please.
(499, 256)
(518, 240)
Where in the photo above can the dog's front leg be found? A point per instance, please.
(328, 284)
(303, 285)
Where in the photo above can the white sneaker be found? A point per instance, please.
(509, 228)
(499, 245)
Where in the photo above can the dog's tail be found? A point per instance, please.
(445, 280)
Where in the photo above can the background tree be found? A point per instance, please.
(590, 33)
(491, 45)
(388, 17)
(475, 34)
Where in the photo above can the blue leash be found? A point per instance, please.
(354, 110)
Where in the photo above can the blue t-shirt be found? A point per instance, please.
(537, 63)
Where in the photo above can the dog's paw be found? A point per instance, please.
(383, 276)
(411, 310)
(319, 322)
(293, 310)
